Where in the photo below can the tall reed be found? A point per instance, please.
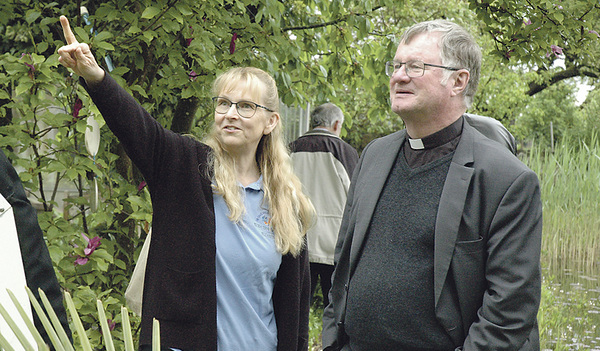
(570, 185)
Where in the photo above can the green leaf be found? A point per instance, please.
(104, 45)
(102, 36)
(42, 47)
(32, 15)
(28, 322)
(184, 9)
(54, 338)
(559, 17)
(105, 329)
(81, 34)
(102, 254)
(62, 335)
(133, 29)
(150, 12)
(85, 343)
(13, 326)
(323, 71)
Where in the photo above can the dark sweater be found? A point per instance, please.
(390, 297)
(180, 282)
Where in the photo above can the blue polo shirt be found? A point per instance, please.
(247, 262)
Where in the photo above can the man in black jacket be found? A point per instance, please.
(39, 272)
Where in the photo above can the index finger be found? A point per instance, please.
(69, 36)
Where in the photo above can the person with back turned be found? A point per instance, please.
(324, 163)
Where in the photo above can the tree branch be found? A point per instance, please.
(330, 23)
(575, 71)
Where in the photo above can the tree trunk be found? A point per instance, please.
(184, 115)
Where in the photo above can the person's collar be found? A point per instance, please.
(321, 131)
(257, 185)
(438, 138)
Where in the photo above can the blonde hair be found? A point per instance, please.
(290, 209)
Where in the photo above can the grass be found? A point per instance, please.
(570, 184)
(569, 316)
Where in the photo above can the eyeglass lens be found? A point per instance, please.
(412, 68)
(244, 108)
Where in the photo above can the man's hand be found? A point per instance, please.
(78, 56)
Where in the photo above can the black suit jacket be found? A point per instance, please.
(487, 279)
(39, 271)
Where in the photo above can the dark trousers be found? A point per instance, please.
(323, 271)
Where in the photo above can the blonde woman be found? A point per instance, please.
(227, 267)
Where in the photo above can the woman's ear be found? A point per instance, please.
(271, 123)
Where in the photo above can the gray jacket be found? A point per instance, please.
(487, 278)
(324, 164)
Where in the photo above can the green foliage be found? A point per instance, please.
(525, 31)
(167, 53)
(57, 334)
(566, 317)
(42, 127)
(570, 184)
(315, 322)
(587, 124)
(552, 111)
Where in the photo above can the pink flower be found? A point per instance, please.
(81, 260)
(93, 244)
(193, 75)
(556, 50)
(594, 32)
(77, 107)
(143, 183)
(528, 22)
(232, 43)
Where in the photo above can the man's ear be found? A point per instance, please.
(271, 123)
(461, 78)
(337, 127)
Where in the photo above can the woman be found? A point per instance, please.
(227, 267)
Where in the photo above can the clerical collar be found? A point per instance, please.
(438, 138)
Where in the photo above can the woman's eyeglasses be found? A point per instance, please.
(245, 109)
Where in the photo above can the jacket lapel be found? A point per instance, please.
(451, 208)
(383, 158)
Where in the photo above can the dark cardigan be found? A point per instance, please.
(180, 283)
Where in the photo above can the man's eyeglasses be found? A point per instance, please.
(413, 68)
(245, 109)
